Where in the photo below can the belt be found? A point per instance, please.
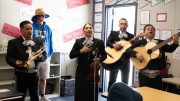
(150, 73)
(27, 70)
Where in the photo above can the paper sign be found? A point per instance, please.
(145, 17)
(157, 34)
(167, 1)
(11, 30)
(98, 17)
(97, 35)
(27, 2)
(98, 0)
(76, 3)
(165, 34)
(73, 35)
(161, 17)
(98, 7)
(155, 2)
(98, 27)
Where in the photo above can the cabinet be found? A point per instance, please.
(7, 76)
(53, 82)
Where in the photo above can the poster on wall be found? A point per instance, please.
(98, 0)
(155, 2)
(27, 2)
(97, 35)
(9, 31)
(98, 7)
(108, 1)
(76, 3)
(161, 17)
(98, 17)
(167, 1)
(142, 3)
(98, 27)
(157, 34)
(145, 17)
(165, 34)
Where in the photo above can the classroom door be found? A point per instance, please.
(113, 14)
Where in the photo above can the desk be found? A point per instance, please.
(174, 81)
(171, 82)
(9, 93)
(151, 94)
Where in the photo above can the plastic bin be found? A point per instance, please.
(67, 86)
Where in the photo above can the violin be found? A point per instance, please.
(94, 68)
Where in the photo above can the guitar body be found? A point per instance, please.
(147, 57)
(114, 55)
(115, 66)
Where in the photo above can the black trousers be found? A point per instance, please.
(28, 81)
(150, 82)
(124, 74)
(84, 89)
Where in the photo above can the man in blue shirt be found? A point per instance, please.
(42, 30)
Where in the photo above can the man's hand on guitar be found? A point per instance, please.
(86, 49)
(139, 57)
(175, 39)
(97, 60)
(19, 63)
(117, 46)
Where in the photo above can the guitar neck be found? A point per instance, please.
(161, 44)
(136, 37)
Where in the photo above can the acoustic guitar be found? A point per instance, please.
(114, 55)
(149, 51)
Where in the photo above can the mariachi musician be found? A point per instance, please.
(114, 37)
(84, 49)
(149, 74)
(24, 54)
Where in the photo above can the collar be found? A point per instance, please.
(23, 37)
(122, 35)
(155, 41)
(120, 32)
(28, 42)
(91, 38)
(150, 40)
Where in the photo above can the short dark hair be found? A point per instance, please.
(21, 25)
(122, 19)
(147, 26)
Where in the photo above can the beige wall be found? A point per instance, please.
(63, 20)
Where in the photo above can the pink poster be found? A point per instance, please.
(11, 30)
(76, 3)
(73, 35)
(27, 2)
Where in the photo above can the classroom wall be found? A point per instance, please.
(67, 18)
